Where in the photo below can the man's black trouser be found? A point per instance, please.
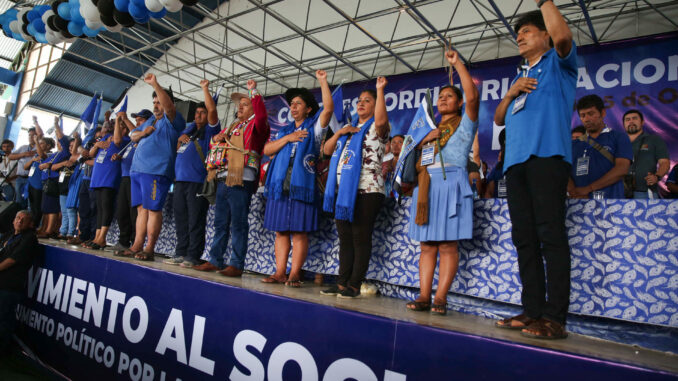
(190, 218)
(536, 193)
(87, 209)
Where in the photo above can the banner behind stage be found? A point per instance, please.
(639, 74)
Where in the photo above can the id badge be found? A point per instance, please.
(183, 148)
(427, 155)
(62, 176)
(501, 188)
(101, 156)
(519, 104)
(31, 171)
(124, 156)
(582, 166)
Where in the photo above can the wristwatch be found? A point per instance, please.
(541, 2)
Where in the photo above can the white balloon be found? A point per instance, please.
(53, 38)
(172, 5)
(46, 15)
(94, 25)
(153, 5)
(15, 27)
(115, 29)
(89, 11)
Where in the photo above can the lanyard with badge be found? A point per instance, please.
(501, 188)
(582, 165)
(519, 103)
(427, 154)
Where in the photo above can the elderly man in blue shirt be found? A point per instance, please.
(537, 110)
(152, 169)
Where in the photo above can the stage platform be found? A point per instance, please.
(90, 315)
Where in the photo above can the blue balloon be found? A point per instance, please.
(121, 5)
(64, 11)
(89, 32)
(139, 14)
(32, 15)
(138, 3)
(40, 37)
(75, 28)
(74, 2)
(18, 36)
(75, 14)
(158, 15)
(38, 25)
(31, 30)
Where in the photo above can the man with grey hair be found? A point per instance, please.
(17, 253)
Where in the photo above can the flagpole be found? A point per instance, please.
(440, 151)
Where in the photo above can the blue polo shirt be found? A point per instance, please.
(189, 166)
(57, 157)
(156, 153)
(542, 127)
(106, 172)
(618, 144)
(127, 157)
(35, 180)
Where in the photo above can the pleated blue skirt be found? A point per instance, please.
(450, 207)
(285, 214)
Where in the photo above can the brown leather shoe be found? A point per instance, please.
(74, 241)
(231, 271)
(206, 267)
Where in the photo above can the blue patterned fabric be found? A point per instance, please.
(624, 254)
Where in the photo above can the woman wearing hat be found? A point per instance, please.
(442, 207)
(355, 187)
(290, 182)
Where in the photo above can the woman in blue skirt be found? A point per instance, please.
(442, 209)
(290, 183)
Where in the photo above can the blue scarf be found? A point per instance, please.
(302, 183)
(350, 175)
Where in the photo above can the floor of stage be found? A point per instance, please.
(393, 308)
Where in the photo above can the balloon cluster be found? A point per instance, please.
(65, 20)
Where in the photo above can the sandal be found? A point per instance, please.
(272, 279)
(96, 246)
(294, 283)
(128, 253)
(545, 329)
(418, 305)
(507, 323)
(439, 309)
(145, 256)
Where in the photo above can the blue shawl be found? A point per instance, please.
(350, 174)
(73, 198)
(302, 183)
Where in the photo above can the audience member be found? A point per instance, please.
(84, 196)
(23, 154)
(537, 165)
(441, 212)
(291, 184)
(650, 158)
(17, 254)
(69, 218)
(34, 188)
(355, 187)
(152, 169)
(496, 180)
(190, 208)
(578, 131)
(390, 161)
(50, 180)
(8, 168)
(601, 157)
